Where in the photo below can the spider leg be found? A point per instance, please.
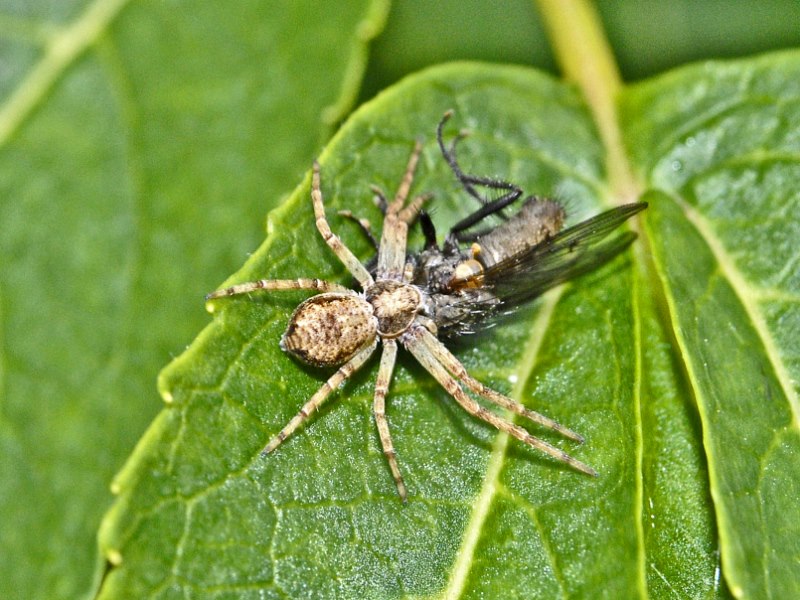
(318, 285)
(364, 224)
(407, 214)
(379, 409)
(344, 254)
(392, 252)
(410, 213)
(412, 341)
(344, 372)
(405, 183)
(452, 364)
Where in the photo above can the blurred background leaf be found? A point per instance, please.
(648, 36)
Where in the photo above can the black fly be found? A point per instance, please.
(478, 274)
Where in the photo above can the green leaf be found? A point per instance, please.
(137, 158)
(201, 512)
(140, 146)
(722, 151)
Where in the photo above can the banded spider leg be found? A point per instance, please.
(358, 320)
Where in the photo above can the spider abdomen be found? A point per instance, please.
(328, 329)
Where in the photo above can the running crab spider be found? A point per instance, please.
(340, 326)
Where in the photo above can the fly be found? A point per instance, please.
(480, 273)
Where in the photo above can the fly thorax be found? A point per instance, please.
(436, 270)
(328, 329)
(395, 305)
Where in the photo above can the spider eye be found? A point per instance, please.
(328, 329)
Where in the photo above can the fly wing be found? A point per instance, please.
(523, 276)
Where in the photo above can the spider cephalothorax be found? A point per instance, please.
(409, 299)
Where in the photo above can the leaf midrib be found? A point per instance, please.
(599, 83)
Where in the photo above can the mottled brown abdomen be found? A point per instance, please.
(328, 329)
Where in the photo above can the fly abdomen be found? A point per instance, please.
(537, 220)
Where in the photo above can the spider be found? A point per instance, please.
(405, 300)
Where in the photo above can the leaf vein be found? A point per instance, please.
(747, 295)
(482, 504)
